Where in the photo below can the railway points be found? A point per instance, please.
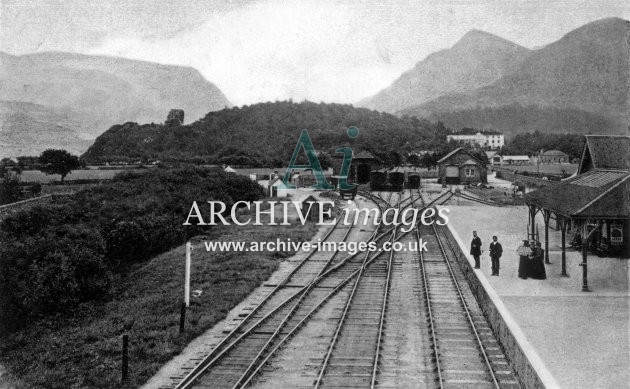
(373, 319)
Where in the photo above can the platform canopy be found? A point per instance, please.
(598, 194)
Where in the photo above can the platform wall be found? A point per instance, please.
(526, 372)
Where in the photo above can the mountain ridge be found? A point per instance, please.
(477, 59)
(101, 91)
(586, 70)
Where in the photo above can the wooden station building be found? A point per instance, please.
(595, 202)
(462, 167)
(362, 165)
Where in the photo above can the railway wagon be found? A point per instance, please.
(413, 181)
(397, 180)
(378, 180)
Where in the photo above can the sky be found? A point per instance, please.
(267, 50)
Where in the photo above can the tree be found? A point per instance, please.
(58, 162)
(394, 158)
(414, 160)
(325, 160)
(10, 190)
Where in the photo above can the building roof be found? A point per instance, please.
(596, 194)
(472, 131)
(552, 153)
(364, 154)
(457, 150)
(605, 152)
(515, 158)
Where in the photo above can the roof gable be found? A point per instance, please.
(592, 194)
(364, 154)
(457, 151)
(605, 152)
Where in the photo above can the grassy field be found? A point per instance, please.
(498, 195)
(545, 169)
(83, 349)
(89, 174)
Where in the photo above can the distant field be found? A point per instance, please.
(91, 174)
(552, 168)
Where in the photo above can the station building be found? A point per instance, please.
(363, 163)
(462, 167)
(594, 204)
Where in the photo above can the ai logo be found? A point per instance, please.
(313, 162)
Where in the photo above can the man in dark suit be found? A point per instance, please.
(475, 248)
(496, 250)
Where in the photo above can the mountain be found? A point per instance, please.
(27, 129)
(478, 59)
(585, 71)
(265, 134)
(515, 118)
(98, 91)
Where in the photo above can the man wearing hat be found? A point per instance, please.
(475, 248)
(496, 250)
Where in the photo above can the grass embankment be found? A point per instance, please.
(498, 195)
(553, 168)
(84, 349)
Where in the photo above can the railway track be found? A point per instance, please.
(235, 359)
(353, 355)
(465, 351)
(353, 306)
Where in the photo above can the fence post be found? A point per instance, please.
(125, 358)
(182, 318)
(187, 274)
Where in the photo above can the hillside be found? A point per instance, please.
(515, 118)
(27, 129)
(98, 91)
(478, 59)
(264, 134)
(586, 70)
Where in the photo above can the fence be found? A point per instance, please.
(527, 180)
(9, 209)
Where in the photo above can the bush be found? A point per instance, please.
(50, 271)
(10, 190)
(53, 257)
(126, 243)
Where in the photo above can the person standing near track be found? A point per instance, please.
(496, 250)
(475, 249)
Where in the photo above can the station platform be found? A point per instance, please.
(580, 338)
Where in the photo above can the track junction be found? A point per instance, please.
(373, 319)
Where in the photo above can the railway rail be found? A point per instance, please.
(463, 350)
(262, 327)
(359, 329)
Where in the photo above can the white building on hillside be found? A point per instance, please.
(486, 139)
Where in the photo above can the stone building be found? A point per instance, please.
(462, 167)
(554, 156)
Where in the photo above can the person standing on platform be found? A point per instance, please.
(475, 249)
(496, 250)
(526, 255)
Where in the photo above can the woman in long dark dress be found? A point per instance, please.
(537, 265)
(525, 257)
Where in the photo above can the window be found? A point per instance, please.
(469, 172)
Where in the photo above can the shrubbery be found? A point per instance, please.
(54, 257)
